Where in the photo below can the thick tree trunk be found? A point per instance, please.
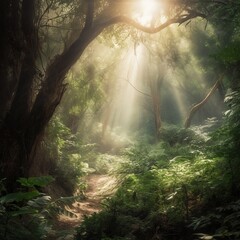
(22, 128)
(11, 54)
(17, 90)
(11, 158)
(22, 119)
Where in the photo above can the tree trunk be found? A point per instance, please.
(22, 128)
(17, 92)
(11, 54)
(197, 106)
(155, 92)
(23, 118)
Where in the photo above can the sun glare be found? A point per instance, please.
(147, 9)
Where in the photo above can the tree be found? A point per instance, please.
(29, 96)
(197, 106)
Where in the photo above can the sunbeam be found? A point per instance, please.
(147, 11)
(155, 80)
(127, 76)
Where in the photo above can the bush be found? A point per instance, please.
(222, 223)
(70, 156)
(166, 185)
(27, 214)
(226, 141)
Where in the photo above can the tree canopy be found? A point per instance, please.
(134, 87)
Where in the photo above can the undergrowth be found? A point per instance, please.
(183, 187)
(30, 214)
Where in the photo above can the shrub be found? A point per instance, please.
(26, 214)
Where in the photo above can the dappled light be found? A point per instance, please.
(119, 120)
(156, 68)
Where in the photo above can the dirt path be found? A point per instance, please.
(99, 187)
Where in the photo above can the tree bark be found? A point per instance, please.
(11, 54)
(197, 106)
(20, 62)
(155, 90)
(24, 118)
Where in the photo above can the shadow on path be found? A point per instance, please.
(98, 188)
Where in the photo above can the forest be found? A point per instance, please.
(120, 120)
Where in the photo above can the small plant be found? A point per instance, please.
(226, 141)
(26, 214)
(69, 156)
(223, 223)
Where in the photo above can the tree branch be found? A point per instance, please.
(90, 13)
(53, 88)
(126, 20)
(197, 106)
(137, 89)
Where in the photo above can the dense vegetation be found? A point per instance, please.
(186, 189)
(116, 87)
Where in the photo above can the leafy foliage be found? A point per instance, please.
(26, 214)
(174, 142)
(159, 193)
(223, 223)
(226, 140)
(68, 155)
(230, 54)
(29, 213)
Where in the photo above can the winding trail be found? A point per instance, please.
(98, 188)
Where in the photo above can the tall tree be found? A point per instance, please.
(28, 98)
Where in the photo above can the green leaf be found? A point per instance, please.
(23, 211)
(19, 196)
(230, 54)
(36, 181)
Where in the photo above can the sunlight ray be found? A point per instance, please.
(127, 77)
(147, 11)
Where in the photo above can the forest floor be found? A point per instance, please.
(99, 187)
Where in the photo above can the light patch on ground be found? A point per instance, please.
(99, 187)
